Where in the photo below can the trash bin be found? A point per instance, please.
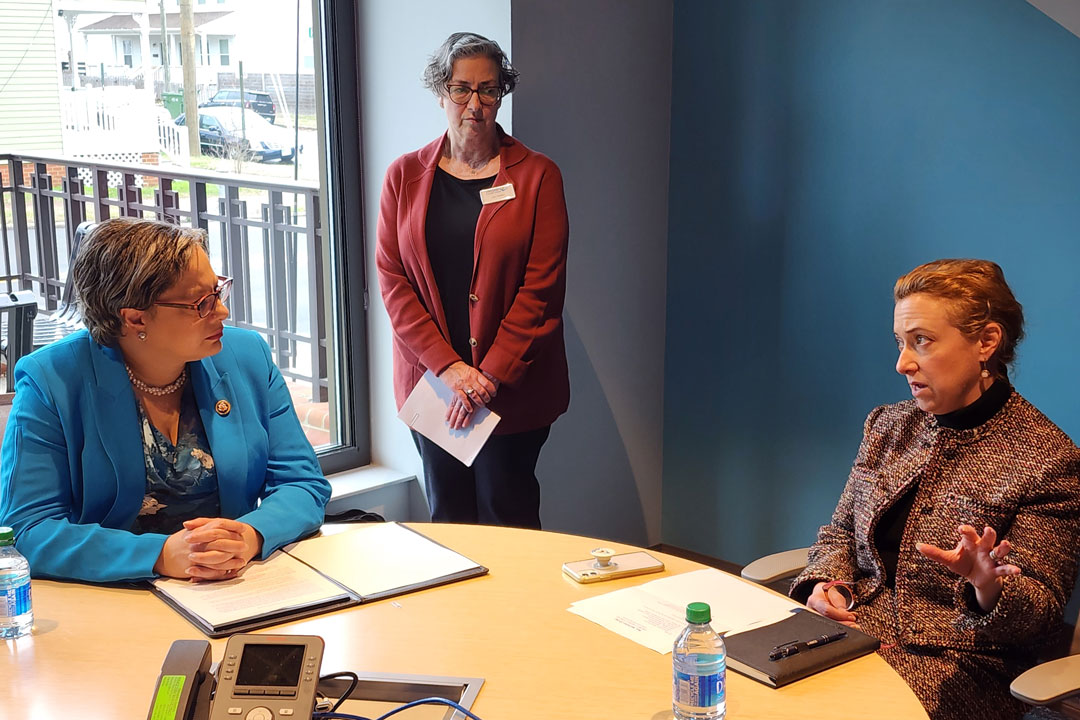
(173, 102)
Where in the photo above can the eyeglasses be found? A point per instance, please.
(461, 94)
(208, 302)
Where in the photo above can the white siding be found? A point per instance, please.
(29, 79)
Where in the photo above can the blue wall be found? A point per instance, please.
(819, 150)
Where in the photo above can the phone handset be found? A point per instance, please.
(184, 687)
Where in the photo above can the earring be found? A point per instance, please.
(985, 373)
(142, 336)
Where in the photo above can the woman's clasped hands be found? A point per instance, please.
(208, 549)
(472, 389)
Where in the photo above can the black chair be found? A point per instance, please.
(17, 312)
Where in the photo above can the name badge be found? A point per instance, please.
(497, 194)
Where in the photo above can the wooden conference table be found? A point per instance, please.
(96, 651)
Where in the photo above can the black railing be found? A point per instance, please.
(266, 234)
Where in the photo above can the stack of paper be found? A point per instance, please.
(654, 614)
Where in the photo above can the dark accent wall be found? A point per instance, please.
(819, 149)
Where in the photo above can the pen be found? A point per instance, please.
(793, 648)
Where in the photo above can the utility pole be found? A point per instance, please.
(164, 46)
(189, 60)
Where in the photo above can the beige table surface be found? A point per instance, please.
(96, 651)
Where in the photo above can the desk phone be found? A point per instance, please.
(261, 677)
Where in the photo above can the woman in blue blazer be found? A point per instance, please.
(157, 441)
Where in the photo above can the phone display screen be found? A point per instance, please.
(271, 665)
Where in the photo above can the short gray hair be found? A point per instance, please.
(460, 45)
(128, 263)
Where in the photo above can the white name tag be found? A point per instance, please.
(497, 194)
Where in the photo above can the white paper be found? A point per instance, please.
(265, 586)
(653, 614)
(425, 412)
(373, 558)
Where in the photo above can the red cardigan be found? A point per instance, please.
(517, 290)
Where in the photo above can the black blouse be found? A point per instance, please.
(453, 211)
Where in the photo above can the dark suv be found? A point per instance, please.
(260, 102)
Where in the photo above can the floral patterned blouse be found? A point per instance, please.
(181, 481)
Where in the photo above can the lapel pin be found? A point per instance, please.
(222, 408)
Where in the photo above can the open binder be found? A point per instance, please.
(363, 563)
(748, 652)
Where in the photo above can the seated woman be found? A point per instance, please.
(955, 540)
(157, 441)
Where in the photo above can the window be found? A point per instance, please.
(274, 185)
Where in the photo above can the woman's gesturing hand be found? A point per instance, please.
(978, 560)
(472, 390)
(831, 603)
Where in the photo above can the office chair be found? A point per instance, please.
(1053, 684)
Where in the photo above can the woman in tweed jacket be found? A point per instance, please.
(912, 555)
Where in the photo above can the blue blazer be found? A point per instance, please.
(72, 473)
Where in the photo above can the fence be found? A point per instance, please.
(118, 124)
(266, 235)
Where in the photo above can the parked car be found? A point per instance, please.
(260, 102)
(221, 132)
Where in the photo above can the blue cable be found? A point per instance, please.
(395, 711)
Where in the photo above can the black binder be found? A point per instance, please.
(748, 652)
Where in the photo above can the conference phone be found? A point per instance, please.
(260, 677)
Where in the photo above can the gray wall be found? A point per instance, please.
(399, 116)
(595, 97)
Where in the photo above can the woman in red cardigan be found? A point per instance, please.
(471, 257)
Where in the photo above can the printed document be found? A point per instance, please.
(277, 583)
(653, 614)
(425, 412)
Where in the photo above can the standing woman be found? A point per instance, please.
(471, 258)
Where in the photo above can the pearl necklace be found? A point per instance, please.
(154, 390)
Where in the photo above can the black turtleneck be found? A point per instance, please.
(890, 529)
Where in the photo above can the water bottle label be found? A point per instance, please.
(699, 690)
(15, 601)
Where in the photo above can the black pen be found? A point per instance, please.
(782, 651)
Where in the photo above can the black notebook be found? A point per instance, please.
(748, 652)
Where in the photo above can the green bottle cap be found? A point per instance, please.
(7, 536)
(698, 613)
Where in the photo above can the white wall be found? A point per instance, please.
(595, 96)
(399, 116)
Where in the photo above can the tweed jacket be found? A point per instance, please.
(516, 293)
(1017, 473)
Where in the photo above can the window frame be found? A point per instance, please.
(335, 48)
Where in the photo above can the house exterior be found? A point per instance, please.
(29, 79)
(116, 40)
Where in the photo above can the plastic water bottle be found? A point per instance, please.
(16, 612)
(699, 663)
